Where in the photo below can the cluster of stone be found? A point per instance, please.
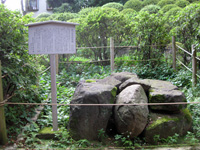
(132, 120)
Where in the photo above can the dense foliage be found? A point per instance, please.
(20, 70)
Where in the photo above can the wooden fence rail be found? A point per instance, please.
(194, 60)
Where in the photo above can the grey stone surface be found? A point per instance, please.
(166, 125)
(123, 76)
(132, 81)
(86, 121)
(131, 120)
(161, 85)
(162, 96)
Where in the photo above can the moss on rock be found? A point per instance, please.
(89, 81)
(187, 115)
(161, 121)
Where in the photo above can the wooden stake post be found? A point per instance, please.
(174, 52)
(112, 58)
(194, 66)
(52, 37)
(3, 133)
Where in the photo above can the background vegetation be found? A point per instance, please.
(132, 22)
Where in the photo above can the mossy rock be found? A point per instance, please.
(166, 125)
(47, 133)
(162, 96)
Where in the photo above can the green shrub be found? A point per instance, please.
(160, 71)
(162, 3)
(150, 2)
(65, 7)
(152, 9)
(128, 11)
(133, 4)
(19, 68)
(182, 3)
(85, 11)
(173, 12)
(43, 15)
(117, 6)
(166, 8)
(182, 79)
(63, 16)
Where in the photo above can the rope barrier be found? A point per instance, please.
(105, 61)
(135, 104)
(116, 47)
(184, 50)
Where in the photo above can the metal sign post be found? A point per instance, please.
(52, 37)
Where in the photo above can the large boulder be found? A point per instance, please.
(166, 125)
(86, 121)
(131, 120)
(162, 96)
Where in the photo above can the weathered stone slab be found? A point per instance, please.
(162, 96)
(161, 85)
(131, 120)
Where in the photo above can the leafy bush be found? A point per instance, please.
(86, 11)
(166, 8)
(42, 15)
(182, 3)
(162, 3)
(186, 26)
(161, 71)
(65, 7)
(117, 6)
(111, 22)
(173, 12)
(133, 4)
(63, 16)
(152, 9)
(128, 11)
(150, 2)
(19, 68)
(182, 79)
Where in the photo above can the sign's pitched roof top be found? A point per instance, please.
(51, 22)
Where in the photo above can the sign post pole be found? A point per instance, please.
(54, 91)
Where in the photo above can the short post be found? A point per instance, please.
(54, 91)
(174, 52)
(57, 63)
(3, 133)
(194, 66)
(112, 58)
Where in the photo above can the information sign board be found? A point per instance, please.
(52, 37)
